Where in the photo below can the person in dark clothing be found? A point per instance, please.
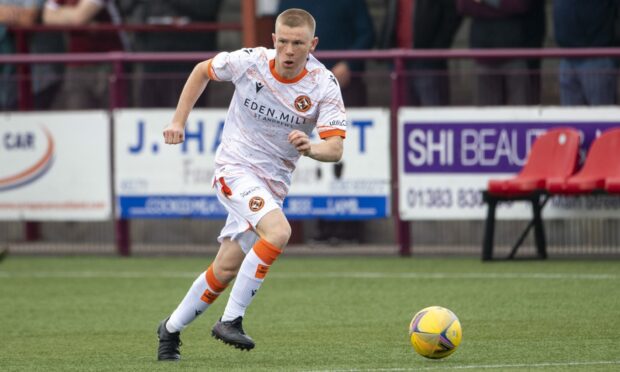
(341, 25)
(162, 82)
(504, 24)
(46, 78)
(535, 30)
(12, 13)
(85, 85)
(435, 22)
(586, 24)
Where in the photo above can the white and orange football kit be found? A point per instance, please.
(254, 162)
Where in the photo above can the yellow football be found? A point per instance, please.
(435, 332)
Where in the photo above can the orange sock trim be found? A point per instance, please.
(215, 287)
(266, 251)
(209, 297)
(212, 281)
(261, 271)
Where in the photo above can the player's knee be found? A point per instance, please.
(225, 270)
(226, 273)
(279, 235)
(274, 228)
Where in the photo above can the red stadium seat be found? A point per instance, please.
(553, 156)
(602, 162)
(612, 185)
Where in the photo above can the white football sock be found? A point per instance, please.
(251, 274)
(202, 293)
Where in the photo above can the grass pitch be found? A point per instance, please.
(312, 314)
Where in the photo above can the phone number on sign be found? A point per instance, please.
(444, 198)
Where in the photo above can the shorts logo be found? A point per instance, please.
(256, 203)
(303, 103)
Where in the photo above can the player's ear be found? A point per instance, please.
(273, 38)
(314, 43)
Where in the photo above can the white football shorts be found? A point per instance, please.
(247, 199)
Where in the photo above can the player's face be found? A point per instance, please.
(293, 44)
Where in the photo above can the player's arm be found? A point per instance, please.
(194, 86)
(17, 15)
(329, 150)
(80, 14)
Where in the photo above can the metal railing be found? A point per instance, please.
(396, 57)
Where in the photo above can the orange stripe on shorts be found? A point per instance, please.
(225, 189)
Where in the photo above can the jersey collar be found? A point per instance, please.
(272, 68)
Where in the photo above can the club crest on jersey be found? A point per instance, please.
(303, 103)
(256, 204)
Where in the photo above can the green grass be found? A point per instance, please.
(347, 313)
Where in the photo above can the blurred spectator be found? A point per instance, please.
(12, 13)
(46, 77)
(86, 85)
(435, 22)
(504, 24)
(535, 28)
(266, 12)
(586, 24)
(341, 25)
(162, 83)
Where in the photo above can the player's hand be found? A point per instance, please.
(174, 134)
(342, 73)
(300, 141)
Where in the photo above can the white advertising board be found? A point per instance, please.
(154, 180)
(358, 186)
(446, 157)
(55, 166)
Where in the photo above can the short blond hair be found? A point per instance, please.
(295, 17)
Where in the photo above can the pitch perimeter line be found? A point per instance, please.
(479, 366)
(319, 275)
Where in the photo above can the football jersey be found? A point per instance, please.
(265, 108)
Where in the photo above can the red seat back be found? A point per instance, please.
(603, 159)
(553, 155)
